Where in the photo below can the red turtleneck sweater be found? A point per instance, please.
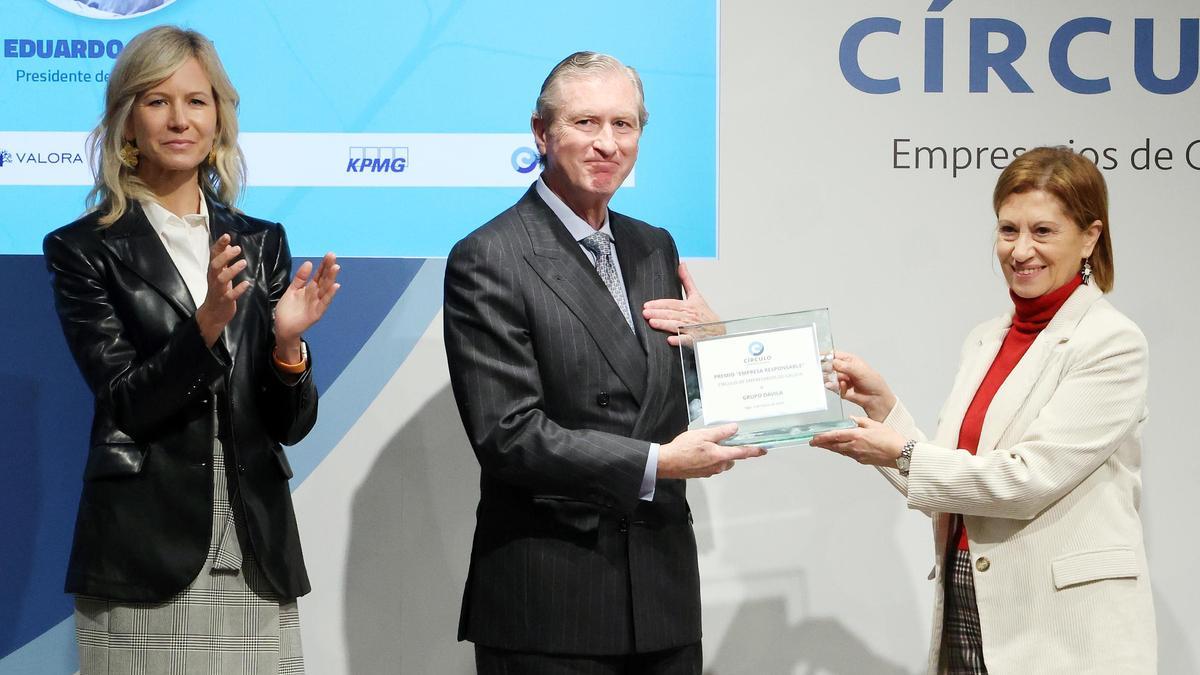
(1029, 318)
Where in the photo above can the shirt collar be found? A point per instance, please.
(578, 227)
(160, 218)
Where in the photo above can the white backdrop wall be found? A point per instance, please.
(810, 563)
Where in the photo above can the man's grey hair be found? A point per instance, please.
(580, 65)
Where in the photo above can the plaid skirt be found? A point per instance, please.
(962, 639)
(228, 621)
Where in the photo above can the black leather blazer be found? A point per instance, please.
(144, 521)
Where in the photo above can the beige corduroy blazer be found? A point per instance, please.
(1052, 497)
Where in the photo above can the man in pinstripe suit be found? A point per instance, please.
(584, 560)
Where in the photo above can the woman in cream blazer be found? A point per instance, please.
(1050, 498)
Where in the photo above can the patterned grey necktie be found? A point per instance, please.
(601, 247)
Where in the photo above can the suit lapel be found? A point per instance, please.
(563, 267)
(647, 277)
(1032, 366)
(134, 242)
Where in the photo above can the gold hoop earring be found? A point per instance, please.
(128, 155)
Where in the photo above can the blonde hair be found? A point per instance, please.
(151, 57)
(1078, 185)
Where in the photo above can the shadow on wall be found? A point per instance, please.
(412, 521)
(762, 642)
(797, 571)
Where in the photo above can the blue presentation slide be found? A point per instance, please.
(388, 128)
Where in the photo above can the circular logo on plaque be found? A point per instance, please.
(757, 348)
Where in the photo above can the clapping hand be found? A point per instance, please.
(304, 303)
(220, 301)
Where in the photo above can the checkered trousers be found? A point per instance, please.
(227, 621)
(962, 640)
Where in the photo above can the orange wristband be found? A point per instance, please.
(291, 368)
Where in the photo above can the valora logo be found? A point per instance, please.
(110, 9)
(5, 157)
(524, 159)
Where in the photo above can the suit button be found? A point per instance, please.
(241, 468)
(623, 525)
(602, 399)
(982, 564)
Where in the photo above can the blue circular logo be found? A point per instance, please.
(756, 348)
(110, 9)
(524, 159)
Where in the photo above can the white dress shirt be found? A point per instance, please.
(187, 242)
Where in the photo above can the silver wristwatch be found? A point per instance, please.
(905, 457)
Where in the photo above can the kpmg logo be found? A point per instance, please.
(5, 157)
(1149, 36)
(377, 159)
(524, 159)
(110, 9)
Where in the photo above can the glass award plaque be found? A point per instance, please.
(766, 373)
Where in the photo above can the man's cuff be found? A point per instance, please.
(651, 475)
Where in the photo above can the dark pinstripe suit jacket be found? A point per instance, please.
(561, 402)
